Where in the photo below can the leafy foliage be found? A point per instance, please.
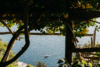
(65, 63)
(98, 65)
(51, 14)
(81, 28)
(3, 46)
(40, 64)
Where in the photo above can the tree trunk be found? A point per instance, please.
(68, 42)
(27, 42)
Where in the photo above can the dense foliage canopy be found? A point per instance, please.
(51, 14)
(55, 15)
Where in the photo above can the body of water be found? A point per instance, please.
(43, 45)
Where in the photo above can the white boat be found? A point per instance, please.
(46, 56)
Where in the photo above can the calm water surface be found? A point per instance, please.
(43, 45)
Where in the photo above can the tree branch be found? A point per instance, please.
(25, 5)
(86, 50)
(10, 45)
(7, 26)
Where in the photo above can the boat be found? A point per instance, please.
(46, 56)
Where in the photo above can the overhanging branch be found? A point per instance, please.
(7, 27)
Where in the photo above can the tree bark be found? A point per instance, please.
(68, 42)
(12, 34)
(10, 45)
(86, 50)
(3, 62)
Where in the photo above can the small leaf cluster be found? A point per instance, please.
(81, 28)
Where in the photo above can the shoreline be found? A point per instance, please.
(22, 64)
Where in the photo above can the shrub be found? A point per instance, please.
(40, 64)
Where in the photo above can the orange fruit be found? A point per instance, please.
(14, 19)
(6, 24)
(79, 4)
(84, 21)
(8, 14)
(5, 20)
(84, 32)
(19, 21)
(13, 15)
(66, 15)
(87, 5)
(51, 30)
(31, 1)
(89, 21)
(73, 25)
(79, 32)
(4, 15)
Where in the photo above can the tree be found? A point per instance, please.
(3, 46)
(55, 14)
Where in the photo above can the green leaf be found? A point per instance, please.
(60, 65)
(75, 63)
(83, 62)
(90, 64)
(98, 65)
(97, 30)
(96, 25)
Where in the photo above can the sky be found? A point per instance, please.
(98, 19)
